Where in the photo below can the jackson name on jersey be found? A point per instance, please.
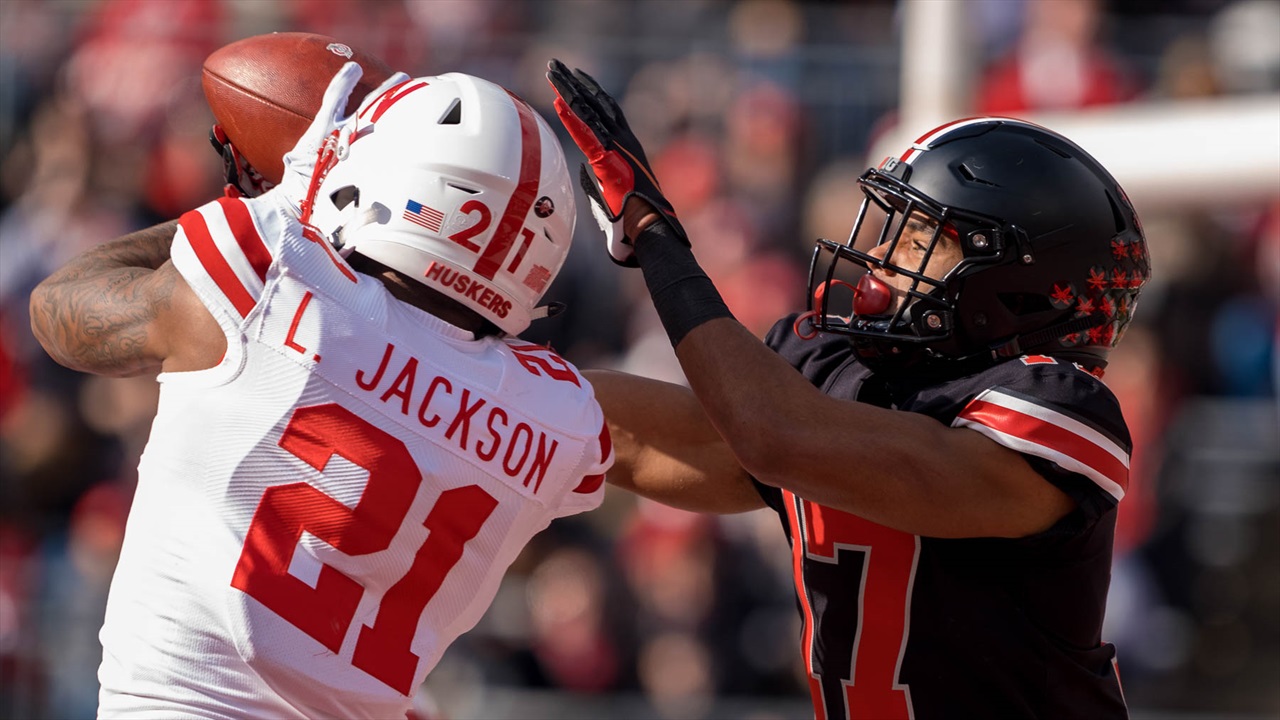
(321, 514)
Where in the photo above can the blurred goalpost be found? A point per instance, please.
(1164, 153)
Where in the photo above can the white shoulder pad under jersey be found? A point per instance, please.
(318, 517)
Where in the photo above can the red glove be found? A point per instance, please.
(597, 126)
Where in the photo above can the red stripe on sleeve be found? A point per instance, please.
(247, 235)
(214, 263)
(591, 483)
(521, 200)
(606, 443)
(1046, 434)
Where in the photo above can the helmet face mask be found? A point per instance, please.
(460, 185)
(1035, 223)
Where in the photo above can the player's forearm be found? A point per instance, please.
(789, 435)
(747, 391)
(902, 470)
(664, 448)
(751, 395)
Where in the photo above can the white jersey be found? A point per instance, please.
(318, 517)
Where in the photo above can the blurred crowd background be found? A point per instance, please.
(758, 116)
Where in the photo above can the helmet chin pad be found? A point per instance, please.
(376, 214)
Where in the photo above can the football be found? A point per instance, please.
(264, 90)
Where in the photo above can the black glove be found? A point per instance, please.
(242, 179)
(597, 126)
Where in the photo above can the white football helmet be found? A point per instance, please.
(459, 184)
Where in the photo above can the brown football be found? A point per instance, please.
(264, 90)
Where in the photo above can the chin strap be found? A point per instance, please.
(551, 309)
(1020, 344)
(375, 214)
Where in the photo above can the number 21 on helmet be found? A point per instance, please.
(459, 184)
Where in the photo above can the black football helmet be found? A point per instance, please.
(1053, 253)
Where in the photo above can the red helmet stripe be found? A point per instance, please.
(921, 140)
(389, 97)
(522, 199)
(924, 141)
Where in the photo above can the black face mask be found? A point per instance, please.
(1038, 223)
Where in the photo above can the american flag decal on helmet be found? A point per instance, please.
(419, 214)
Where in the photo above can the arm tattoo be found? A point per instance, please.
(96, 313)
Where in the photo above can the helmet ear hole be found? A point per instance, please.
(1020, 304)
(344, 196)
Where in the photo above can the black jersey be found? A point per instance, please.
(904, 626)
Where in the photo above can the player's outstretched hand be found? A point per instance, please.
(306, 165)
(317, 147)
(597, 126)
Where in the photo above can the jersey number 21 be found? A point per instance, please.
(316, 434)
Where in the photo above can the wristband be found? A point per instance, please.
(682, 293)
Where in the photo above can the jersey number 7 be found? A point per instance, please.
(324, 612)
(854, 640)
